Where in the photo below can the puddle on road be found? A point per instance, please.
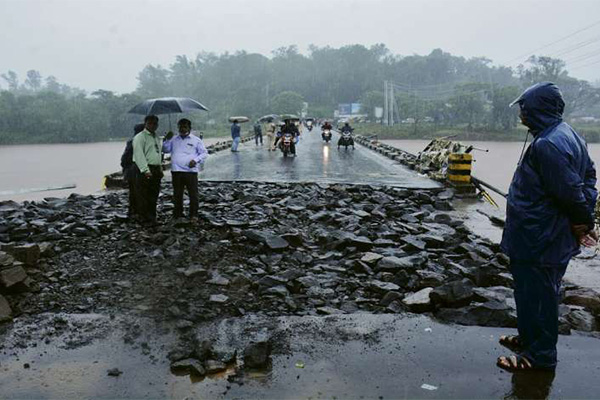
(345, 356)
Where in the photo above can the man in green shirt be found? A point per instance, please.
(147, 157)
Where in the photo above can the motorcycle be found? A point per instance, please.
(346, 140)
(286, 144)
(309, 125)
(327, 135)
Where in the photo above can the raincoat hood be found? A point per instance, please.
(542, 106)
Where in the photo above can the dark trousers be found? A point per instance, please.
(258, 136)
(129, 178)
(537, 295)
(131, 211)
(182, 181)
(146, 193)
(343, 142)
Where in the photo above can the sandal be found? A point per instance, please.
(511, 342)
(514, 363)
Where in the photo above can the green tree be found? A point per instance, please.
(469, 104)
(503, 115)
(12, 80)
(287, 102)
(578, 94)
(153, 81)
(33, 81)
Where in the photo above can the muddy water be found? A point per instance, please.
(27, 167)
(495, 166)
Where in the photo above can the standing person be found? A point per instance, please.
(129, 171)
(549, 214)
(235, 135)
(271, 129)
(258, 133)
(187, 153)
(147, 157)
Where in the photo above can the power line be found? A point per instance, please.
(530, 53)
(444, 94)
(580, 57)
(579, 64)
(585, 65)
(577, 46)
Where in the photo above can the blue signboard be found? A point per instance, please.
(345, 109)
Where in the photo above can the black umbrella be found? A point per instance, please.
(167, 105)
(270, 117)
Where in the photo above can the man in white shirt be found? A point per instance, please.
(187, 152)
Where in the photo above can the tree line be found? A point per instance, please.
(436, 90)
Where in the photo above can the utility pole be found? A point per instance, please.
(393, 104)
(385, 103)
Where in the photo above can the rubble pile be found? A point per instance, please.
(261, 248)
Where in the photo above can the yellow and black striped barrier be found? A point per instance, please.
(459, 172)
(459, 168)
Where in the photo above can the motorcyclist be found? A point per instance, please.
(346, 129)
(326, 126)
(289, 127)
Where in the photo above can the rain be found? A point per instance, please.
(299, 199)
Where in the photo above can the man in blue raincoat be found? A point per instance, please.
(549, 214)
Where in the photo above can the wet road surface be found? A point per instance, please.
(315, 162)
(348, 356)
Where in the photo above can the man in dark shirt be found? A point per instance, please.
(235, 135)
(129, 171)
(291, 128)
(258, 133)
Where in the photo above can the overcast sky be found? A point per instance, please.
(96, 44)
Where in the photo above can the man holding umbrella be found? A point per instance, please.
(147, 146)
(147, 157)
(235, 135)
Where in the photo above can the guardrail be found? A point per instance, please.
(408, 159)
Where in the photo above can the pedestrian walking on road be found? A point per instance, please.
(258, 133)
(549, 214)
(235, 135)
(147, 157)
(271, 130)
(187, 153)
(129, 171)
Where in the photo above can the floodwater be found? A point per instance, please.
(26, 169)
(496, 166)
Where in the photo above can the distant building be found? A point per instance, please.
(349, 111)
